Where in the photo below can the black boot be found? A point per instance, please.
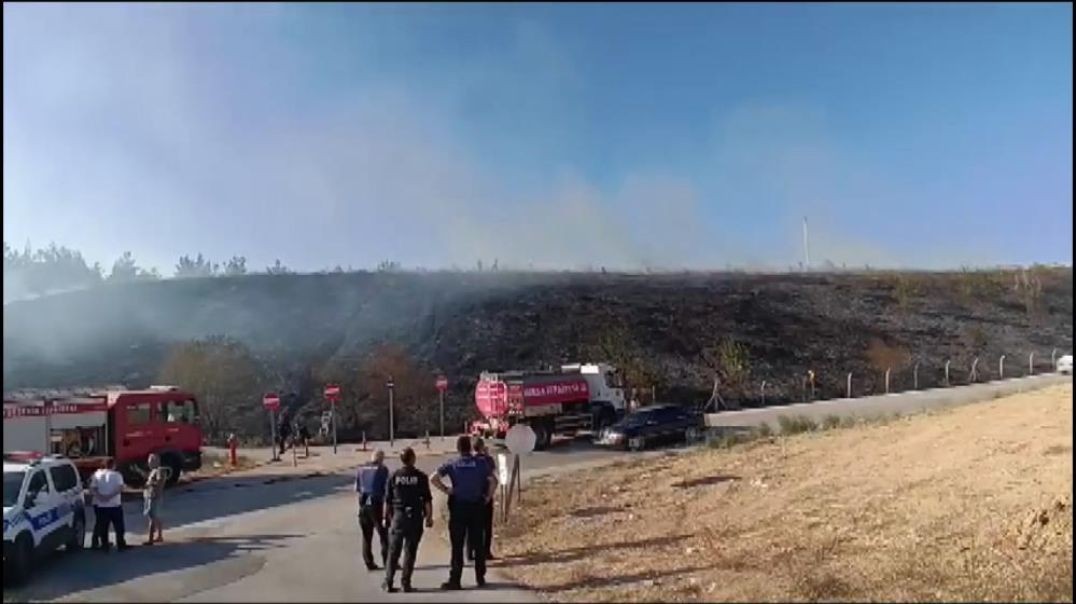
(385, 585)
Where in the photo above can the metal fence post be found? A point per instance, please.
(849, 384)
(915, 377)
(1053, 359)
(763, 391)
(1031, 364)
(888, 369)
(974, 375)
(947, 372)
(1001, 368)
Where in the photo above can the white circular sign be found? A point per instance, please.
(520, 439)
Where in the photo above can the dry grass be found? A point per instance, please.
(969, 504)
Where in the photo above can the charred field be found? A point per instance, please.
(659, 325)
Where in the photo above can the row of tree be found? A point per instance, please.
(229, 382)
(59, 268)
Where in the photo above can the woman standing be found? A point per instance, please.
(153, 494)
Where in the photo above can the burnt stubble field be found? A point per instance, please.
(663, 328)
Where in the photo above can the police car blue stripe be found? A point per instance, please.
(49, 517)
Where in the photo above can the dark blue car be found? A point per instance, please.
(657, 424)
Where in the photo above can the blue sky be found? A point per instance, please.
(555, 135)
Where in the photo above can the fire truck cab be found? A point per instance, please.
(127, 425)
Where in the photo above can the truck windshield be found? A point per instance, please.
(12, 484)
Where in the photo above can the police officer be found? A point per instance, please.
(407, 502)
(482, 455)
(472, 488)
(370, 482)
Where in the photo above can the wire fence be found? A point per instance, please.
(919, 374)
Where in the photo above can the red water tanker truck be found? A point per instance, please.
(575, 398)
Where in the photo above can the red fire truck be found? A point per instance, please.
(89, 425)
(575, 398)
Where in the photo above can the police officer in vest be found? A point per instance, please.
(472, 487)
(482, 455)
(370, 483)
(407, 503)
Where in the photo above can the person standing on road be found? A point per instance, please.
(100, 522)
(370, 483)
(107, 488)
(284, 431)
(472, 488)
(304, 437)
(407, 503)
(152, 494)
(482, 455)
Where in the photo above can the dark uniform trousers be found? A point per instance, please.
(487, 519)
(404, 536)
(105, 517)
(371, 518)
(466, 522)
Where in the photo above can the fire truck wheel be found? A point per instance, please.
(133, 474)
(175, 467)
(605, 418)
(540, 435)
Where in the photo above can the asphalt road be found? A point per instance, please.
(290, 534)
(275, 535)
(873, 406)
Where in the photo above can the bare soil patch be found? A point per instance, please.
(970, 504)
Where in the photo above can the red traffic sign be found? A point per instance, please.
(271, 401)
(332, 392)
(442, 383)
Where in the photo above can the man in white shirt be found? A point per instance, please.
(106, 486)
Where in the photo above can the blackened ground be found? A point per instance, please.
(464, 323)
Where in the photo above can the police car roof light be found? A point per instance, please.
(23, 456)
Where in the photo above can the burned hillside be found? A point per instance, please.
(671, 332)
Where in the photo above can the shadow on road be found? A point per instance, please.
(226, 496)
(64, 574)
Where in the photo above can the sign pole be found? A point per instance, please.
(272, 429)
(392, 423)
(442, 415)
(519, 481)
(334, 430)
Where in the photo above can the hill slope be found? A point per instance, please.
(464, 323)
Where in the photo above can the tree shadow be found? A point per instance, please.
(599, 510)
(63, 573)
(592, 582)
(705, 481)
(571, 554)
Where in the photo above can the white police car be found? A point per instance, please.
(43, 510)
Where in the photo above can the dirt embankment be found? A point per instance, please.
(971, 504)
